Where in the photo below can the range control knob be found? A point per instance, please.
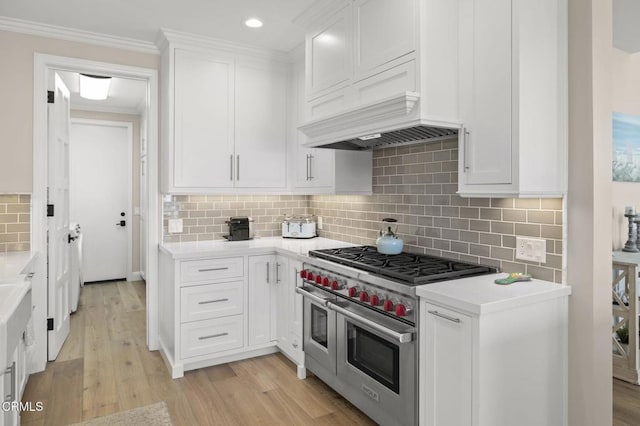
(374, 300)
(303, 273)
(310, 275)
(364, 297)
(387, 305)
(325, 282)
(401, 310)
(353, 291)
(335, 285)
(318, 279)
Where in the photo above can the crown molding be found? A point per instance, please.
(317, 10)
(168, 36)
(80, 36)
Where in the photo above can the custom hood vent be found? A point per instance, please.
(415, 134)
(391, 121)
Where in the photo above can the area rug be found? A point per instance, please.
(156, 415)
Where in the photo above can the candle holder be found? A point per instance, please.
(631, 245)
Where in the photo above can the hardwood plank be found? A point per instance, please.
(65, 404)
(100, 395)
(130, 300)
(38, 389)
(205, 401)
(283, 408)
(140, 287)
(73, 347)
(244, 402)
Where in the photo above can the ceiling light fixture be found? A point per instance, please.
(253, 23)
(95, 87)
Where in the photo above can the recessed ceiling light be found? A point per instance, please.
(253, 23)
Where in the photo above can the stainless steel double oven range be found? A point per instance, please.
(361, 324)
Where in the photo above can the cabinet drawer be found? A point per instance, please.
(211, 269)
(210, 336)
(211, 301)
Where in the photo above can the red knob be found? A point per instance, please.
(303, 273)
(318, 279)
(335, 285)
(387, 305)
(310, 275)
(401, 310)
(364, 297)
(325, 281)
(352, 292)
(375, 300)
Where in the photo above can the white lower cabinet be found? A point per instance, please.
(494, 367)
(447, 368)
(226, 308)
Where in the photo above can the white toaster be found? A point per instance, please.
(302, 226)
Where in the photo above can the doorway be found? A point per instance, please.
(44, 65)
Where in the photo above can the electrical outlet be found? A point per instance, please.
(319, 222)
(175, 226)
(531, 249)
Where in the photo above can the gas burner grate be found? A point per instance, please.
(413, 269)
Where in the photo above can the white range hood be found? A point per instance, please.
(388, 122)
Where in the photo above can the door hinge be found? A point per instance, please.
(50, 324)
(50, 210)
(50, 96)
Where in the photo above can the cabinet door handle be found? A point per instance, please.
(310, 167)
(268, 267)
(206, 302)
(447, 317)
(231, 167)
(213, 269)
(237, 167)
(213, 336)
(307, 177)
(277, 272)
(466, 150)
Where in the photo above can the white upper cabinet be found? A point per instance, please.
(224, 126)
(384, 30)
(261, 125)
(329, 59)
(203, 133)
(512, 98)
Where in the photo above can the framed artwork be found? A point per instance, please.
(626, 147)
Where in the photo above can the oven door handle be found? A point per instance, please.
(399, 337)
(305, 293)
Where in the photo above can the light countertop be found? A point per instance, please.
(13, 265)
(290, 246)
(480, 295)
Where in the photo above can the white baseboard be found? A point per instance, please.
(135, 276)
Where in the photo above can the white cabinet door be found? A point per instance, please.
(486, 91)
(329, 54)
(204, 120)
(261, 126)
(262, 299)
(384, 31)
(314, 168)
(446, 377)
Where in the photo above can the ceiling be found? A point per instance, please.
(626, 30)
(126, 96)
(142, 19)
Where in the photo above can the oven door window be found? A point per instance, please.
(319, 325)
(374, 356)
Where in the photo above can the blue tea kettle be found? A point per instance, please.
(388, 242)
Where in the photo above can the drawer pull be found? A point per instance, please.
(213, 269)
(447, 317)
(206, 302)
(213, 336)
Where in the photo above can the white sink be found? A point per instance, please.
(15, 311)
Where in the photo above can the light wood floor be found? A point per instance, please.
(626, 404)
(105, 367)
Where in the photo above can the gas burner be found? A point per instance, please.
(408, 268)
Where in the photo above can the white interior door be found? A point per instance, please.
(101, 196)
(58, 224)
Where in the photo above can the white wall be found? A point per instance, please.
(626, 99)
